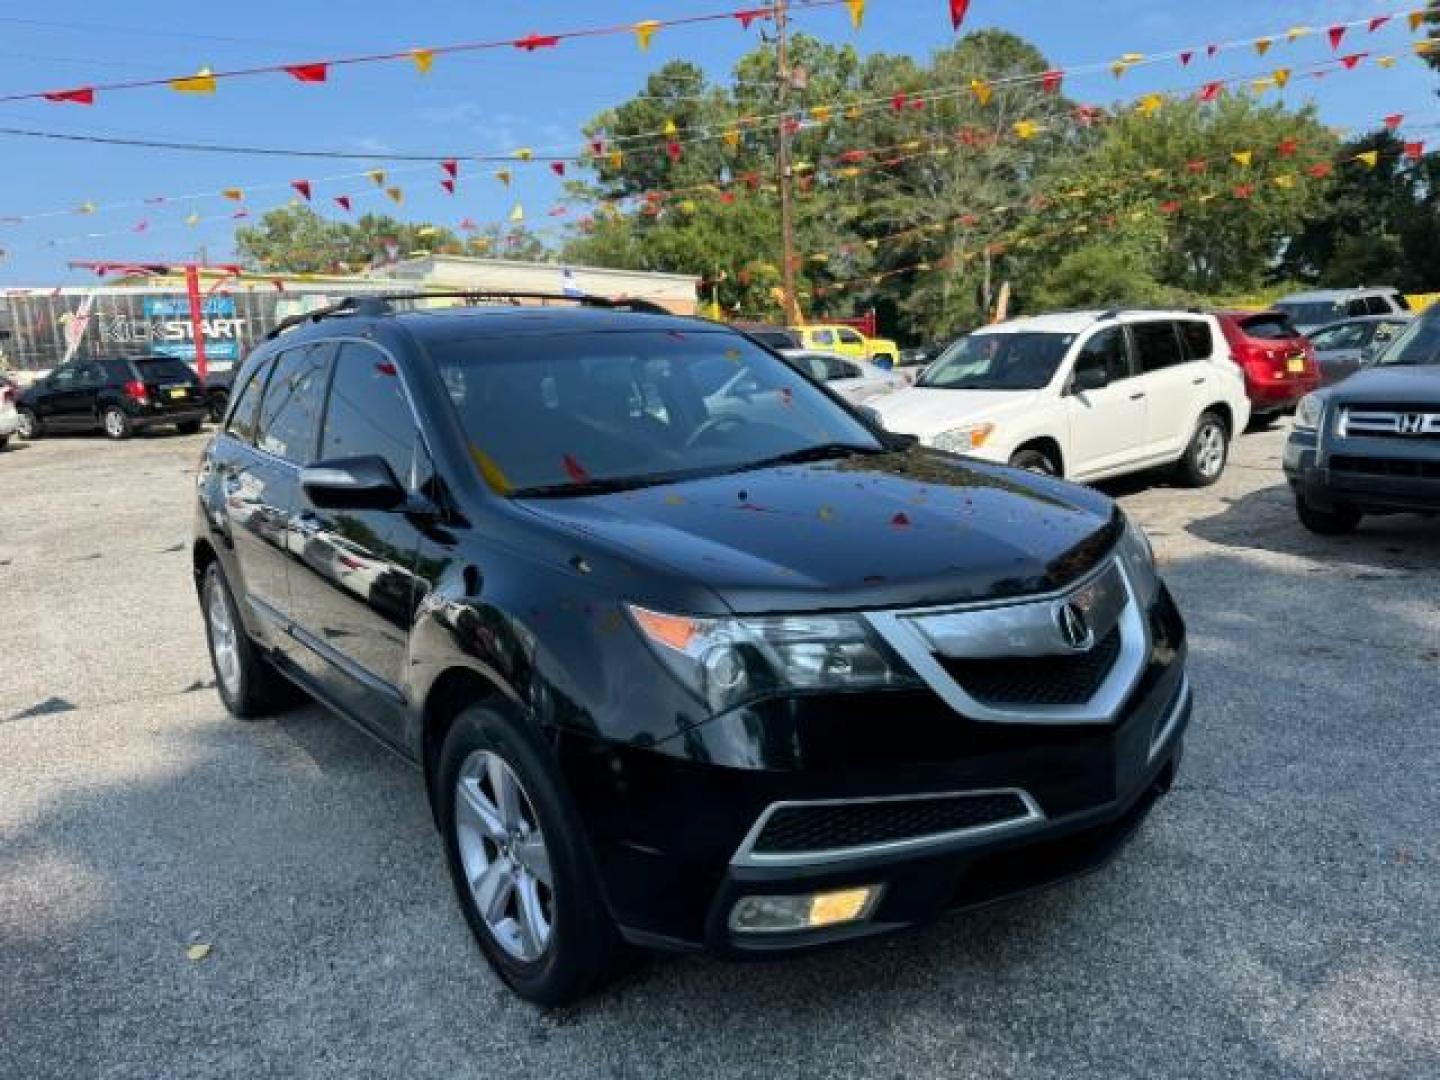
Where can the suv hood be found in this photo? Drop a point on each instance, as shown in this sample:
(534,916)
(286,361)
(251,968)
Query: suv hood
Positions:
(905,529)
(1397,385)
(927,412)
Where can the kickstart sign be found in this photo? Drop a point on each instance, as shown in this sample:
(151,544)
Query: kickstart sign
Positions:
(163,327)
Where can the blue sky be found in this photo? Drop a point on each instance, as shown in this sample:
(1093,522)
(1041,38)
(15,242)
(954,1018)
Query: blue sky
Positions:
(496,101)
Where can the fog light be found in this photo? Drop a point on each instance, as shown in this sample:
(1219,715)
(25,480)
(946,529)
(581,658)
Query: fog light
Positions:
(786,914)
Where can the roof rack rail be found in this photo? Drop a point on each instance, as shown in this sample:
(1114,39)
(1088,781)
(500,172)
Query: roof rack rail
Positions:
(383,304)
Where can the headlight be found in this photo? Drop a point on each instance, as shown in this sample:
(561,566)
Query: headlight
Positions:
(964,440)
(727,662)
(1139,559)
(1309,413)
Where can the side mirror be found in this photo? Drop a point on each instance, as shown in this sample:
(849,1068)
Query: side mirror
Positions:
(1089,379)
(357,483)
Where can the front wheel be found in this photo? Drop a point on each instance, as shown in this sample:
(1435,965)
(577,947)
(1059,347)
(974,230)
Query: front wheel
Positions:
(1206,456)
(1034,460)
(1336,522)
(28,425)
(115,423)
(523,875)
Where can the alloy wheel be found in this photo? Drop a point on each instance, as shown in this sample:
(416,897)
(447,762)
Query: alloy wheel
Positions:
(25,425)
(114,424)
(224,641)
(1210,450)
(506,862)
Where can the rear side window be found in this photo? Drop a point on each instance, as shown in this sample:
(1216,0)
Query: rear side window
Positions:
(1377,305)
(117,370)
(1199,341)
(824,337)
(1269,326)
(1157,346)
(164,369)
(290,410)
(367,412)
(247,406)
(850,337)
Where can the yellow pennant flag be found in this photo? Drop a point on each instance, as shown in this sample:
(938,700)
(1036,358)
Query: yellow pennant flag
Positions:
(424,60)
(1285,180)
(524,153)
(1262,45)
(1426,46)
(1370,158)
(503,175)
(202,82)
(982,91)
(1243,158)
(397,196)
(1155,174)
(377,177)
(732,138)
(854,112)
(1260,85)
(687,206)
(1026,129)
(820,113)
(1126,62)
(849,172)
(617,159)
(1385,61)
(85,208)
(1417,20)
(1281,77)
(1295,33)
(857,12)
(644,31)
(518,213)
(234,194)
(192,218)
(671,128)
(1150,104)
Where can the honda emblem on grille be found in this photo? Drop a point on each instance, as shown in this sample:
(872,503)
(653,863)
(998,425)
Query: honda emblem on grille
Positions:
(1074,626)
(1412,424)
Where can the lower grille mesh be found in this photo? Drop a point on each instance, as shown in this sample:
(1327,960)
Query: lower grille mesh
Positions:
(1037,680)
(793,829)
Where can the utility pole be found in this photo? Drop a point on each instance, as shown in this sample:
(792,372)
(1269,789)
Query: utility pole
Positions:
(787,210)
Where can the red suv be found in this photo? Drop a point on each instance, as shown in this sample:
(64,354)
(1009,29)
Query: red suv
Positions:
(1278,361)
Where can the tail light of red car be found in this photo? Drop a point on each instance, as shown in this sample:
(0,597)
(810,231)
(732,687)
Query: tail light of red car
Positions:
(135,390)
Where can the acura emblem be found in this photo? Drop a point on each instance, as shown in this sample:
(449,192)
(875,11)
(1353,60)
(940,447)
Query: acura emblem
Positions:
(1412,424)
(1075,629)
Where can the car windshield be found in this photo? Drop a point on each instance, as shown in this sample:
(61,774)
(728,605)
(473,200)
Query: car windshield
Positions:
(585,412)
(1418,344)
(1003,361)
(1312,313)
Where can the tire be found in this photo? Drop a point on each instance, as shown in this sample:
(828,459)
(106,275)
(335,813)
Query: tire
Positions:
(28,426)
(1337,522)
(115,423)
(4,441)
(1263,421)
(189,427)
(550,943)
(251,687)
(1208,453)
(1033,459)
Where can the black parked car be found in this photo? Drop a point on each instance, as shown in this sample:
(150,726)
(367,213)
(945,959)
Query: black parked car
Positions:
(746,675)
(1371,444)
(116,395)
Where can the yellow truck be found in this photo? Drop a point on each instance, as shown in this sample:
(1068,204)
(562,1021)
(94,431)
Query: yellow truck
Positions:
(847,341)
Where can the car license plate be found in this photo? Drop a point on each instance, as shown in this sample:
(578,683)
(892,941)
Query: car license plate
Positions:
(179,393)
(1297,365)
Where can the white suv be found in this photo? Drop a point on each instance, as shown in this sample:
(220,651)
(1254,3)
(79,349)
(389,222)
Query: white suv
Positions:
(1084,395)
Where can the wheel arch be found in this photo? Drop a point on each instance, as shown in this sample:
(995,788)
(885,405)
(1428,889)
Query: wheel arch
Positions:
(1049,446)
(202,554)
(456,689)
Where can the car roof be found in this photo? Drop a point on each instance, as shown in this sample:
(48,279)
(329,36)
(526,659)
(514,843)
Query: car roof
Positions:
(1321,295)
(1075,322)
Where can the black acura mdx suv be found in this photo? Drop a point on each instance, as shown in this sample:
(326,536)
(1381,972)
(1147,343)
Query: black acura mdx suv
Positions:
(690,655)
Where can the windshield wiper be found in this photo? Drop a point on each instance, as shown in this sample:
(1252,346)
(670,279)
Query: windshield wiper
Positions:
(823,452)
(597,487)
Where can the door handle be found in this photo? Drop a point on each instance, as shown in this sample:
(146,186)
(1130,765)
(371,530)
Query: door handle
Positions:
(1198,382)
(1137,397)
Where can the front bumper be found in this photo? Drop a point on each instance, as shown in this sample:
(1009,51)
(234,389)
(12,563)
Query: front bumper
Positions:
(1369,475)
(671,830)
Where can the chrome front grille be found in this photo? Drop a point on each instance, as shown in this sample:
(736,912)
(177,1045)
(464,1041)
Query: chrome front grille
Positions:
(1384,422)
(1037,680)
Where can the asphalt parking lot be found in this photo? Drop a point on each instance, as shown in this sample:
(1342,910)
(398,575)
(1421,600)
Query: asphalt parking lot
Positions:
(1276,917)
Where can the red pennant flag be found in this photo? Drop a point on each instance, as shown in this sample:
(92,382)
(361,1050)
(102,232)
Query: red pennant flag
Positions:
(917,104)
(748,17)
(958,9)
(303,187)
(81,95)
(1171,207)
(899,100)
(1288,147)
(1199,165)
(559,211)
(1050,82)
(537,41)
(1086,115)
(1244,191)
(790,125)
(1394,120)
(1353,60)
(597,146)
(142,225)
(1186,57)
(672,150)
(309,73)
(448,185)
(1210,91)
(1414,150)
(468,225)
(575,470)
(451,168)
(727,197)
(558,168)
(344,202)
(1378,21)
(1211,50)
(1336,34)
(1320,171)
(850,157)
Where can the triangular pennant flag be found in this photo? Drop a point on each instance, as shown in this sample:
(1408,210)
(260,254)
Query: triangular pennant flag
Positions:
(524,153)
(1244,191)
(397,196)
(1171,207)
(670,128)
(1211,50)
(748,17)
(309,73)
(617,159)
(192,218)
(672,150)
(1320,170)
(303,187)
(202,82)
(1414,150)
(1295,33)
(1051,81)
(1186,57)
(982,91)
(234,194)
(820,114)
(451,168)
(1353,60)
(644,31)
(343,201)
(1336,34)
(1199,165)
(518,213)
(1394,120)
(1287,147)
(448,185)
(1243,158)
(81,95)
(468,225)
(1210,91)
(732,138)
(503,175)
(424,60)
(1378,21)
(537,41)
(857,12)
(141,225)
(1285,180)
(1026,129)
(1385,61)
(1262,45)
(558,168)
(1150,104)
(1370,158)
(377,177)
(1281,77)
(958,9)
(597,147)
(897,101)
(1260,85)
(85,208)
(1416,19)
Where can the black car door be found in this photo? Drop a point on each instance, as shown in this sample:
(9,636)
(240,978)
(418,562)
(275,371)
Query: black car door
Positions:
(60,404)
(352,578)
(260,476)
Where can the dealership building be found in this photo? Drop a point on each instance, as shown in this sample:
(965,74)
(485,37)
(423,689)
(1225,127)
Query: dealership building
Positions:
(149,315)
